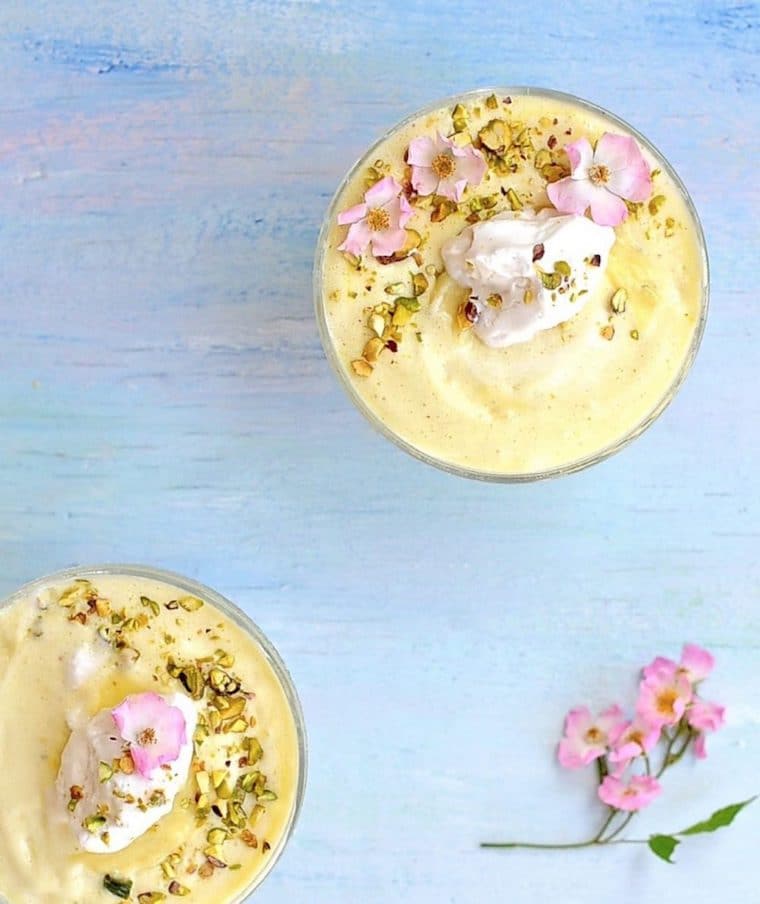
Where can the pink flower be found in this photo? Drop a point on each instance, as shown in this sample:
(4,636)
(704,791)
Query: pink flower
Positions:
(631,740)
(601,177)
(439,166)
(640,791)
(379,219)
(704,717)
(154,730)
(587,738)
(695,665)
(663,697)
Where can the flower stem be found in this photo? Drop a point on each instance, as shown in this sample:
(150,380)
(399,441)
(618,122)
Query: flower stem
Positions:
(619,829)
(597,839)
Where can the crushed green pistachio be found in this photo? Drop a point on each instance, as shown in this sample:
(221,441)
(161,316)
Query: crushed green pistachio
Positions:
(496,136)
(121,888)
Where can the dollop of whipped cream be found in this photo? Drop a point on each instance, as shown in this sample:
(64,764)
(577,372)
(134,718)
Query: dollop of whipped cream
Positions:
(121,770)
(527,271)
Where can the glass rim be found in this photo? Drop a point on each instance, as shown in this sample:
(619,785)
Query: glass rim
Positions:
(442,464)
(243,621)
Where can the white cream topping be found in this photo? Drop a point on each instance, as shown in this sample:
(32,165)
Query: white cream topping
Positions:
(132,803)
(494,259)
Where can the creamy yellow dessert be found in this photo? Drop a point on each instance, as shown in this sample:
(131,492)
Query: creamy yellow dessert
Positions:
(483,328)
(149,748)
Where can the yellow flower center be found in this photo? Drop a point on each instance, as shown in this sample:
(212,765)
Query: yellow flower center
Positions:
(443,165)
(665,701)
(146,737)
(599,174)
(636,737)
(378,219)
(593,735)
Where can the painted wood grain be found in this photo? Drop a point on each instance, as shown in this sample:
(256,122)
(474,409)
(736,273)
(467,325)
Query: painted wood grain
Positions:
(164,168)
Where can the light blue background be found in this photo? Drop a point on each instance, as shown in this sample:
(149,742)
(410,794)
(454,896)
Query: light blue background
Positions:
(164,168)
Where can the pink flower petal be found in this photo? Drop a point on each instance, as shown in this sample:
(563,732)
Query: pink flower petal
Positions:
(387,242)
(629,172)
(470,165)
(422,152)
(640,791)
(352,215)
(607,209)
(580,154)
(154,730)
(661,666)
(700,747)
(357,239)
(382,192)
(570,195)
(424,180)
(705,716)
(405,211)
(696,662)
(663,699)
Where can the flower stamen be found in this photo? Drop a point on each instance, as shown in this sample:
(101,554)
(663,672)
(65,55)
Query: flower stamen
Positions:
(146,737)
(443,165)
(599,174)
(378,219)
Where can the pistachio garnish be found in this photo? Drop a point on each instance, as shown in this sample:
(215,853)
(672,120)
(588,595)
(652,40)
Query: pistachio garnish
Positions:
(94,823)
(634,334)
(595,260)
(151,897)
(514,199)
(563,268)
(618,301)
(150,604)
(179,890)
(267,795)
(496,136)
(105,771)
(549,280)
(492,102)
(394,288)
(255,751)
(670,227)
(419,284)
(361,367)
(529,297)
(372,349)
(607,332)
(190,603)
(217,836)
(538,252)
(76,792)
(442,208)
(121,888)
(656,203)
(459,118)
(494,300)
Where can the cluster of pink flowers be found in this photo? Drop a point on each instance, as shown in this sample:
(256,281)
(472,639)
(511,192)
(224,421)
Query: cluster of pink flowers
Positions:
(668,711)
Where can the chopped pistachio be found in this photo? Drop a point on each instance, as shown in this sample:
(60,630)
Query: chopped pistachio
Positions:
(105,771)
(618,301)
(225,659)
(151,897)
(634,334)
(267,795)
(395,288)
(179,890)
(235,706)
(121,888)
(607,332)
(419,284)
(514,199)
(411,303)
(217,836)
(150,604)
(496,135)
(372,351)
(224,791)
(494,300)
(377,324)
(353,260)
(167,868)
(670,227)
(656,203)
(459,118)
(492,102)
(442,208)
(240,725)
(529,297)
(402,315)
(563,268)
(361,367)
(190,603)
(94,823)
(549,280)
(256,813)
(553,172)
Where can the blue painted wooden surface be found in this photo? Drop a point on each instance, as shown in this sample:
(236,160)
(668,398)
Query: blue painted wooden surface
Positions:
(164,398)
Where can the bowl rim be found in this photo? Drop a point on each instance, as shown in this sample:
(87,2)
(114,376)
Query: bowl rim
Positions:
(474,473)
(243,621)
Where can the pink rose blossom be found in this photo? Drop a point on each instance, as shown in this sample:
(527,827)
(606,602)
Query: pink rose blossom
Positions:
(704,717)
(640,791)
(601,177)
(632,739)
(663,697)
(379,219)
(695,665)
(586,737)
(443,168)
(154,730)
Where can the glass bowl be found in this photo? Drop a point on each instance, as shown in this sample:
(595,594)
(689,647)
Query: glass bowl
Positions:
(240,619)
(349,383)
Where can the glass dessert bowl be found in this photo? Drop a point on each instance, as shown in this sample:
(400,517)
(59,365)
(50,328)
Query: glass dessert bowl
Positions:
(152,741)
(511,284)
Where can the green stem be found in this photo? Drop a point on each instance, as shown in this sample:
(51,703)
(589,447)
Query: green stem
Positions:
(619,829)
(552,847)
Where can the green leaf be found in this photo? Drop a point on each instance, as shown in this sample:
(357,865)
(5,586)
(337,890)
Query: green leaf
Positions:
(663,846)
(718,820)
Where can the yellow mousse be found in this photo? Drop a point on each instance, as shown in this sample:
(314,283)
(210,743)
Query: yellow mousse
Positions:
(570,392)
(83,646)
